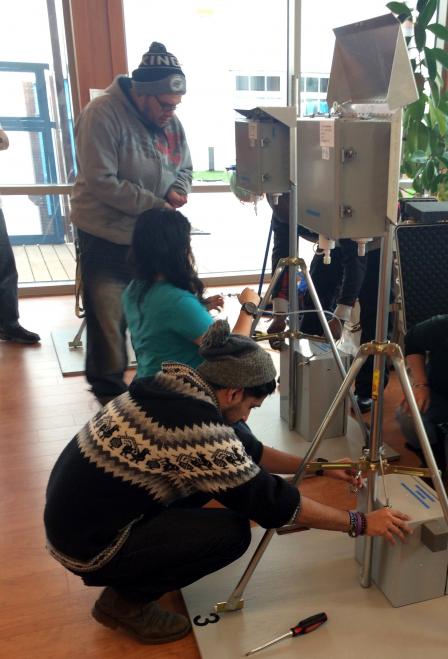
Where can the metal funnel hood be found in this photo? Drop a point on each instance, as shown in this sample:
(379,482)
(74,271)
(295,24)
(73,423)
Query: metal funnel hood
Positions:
(371,67)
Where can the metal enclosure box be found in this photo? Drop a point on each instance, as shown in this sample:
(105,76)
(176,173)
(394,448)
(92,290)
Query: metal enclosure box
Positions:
(262,156)
(318,381)
(343,176)
(415,570)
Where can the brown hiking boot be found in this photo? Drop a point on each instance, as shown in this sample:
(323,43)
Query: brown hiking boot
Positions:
(148,623)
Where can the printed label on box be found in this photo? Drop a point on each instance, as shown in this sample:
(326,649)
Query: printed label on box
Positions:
(326,133)
(253,130)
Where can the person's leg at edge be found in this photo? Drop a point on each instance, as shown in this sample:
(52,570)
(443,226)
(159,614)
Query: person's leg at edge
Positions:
(10,328)
(435,416)
(326,279)
(105,275)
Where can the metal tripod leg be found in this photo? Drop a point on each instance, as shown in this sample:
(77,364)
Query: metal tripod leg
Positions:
(76,342)
(331,341)
(299,264)
(234,602)
(293,323)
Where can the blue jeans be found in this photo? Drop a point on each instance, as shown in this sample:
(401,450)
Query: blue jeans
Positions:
(434,420)
(173,550)
(105,274)
(9,305)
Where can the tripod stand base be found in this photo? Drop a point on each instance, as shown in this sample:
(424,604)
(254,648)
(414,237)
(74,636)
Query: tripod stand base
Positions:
(299,575)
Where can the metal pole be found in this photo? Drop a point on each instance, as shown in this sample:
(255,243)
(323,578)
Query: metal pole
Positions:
(376,417)
(235,602)
(382,313)
(293,299)
(331,341)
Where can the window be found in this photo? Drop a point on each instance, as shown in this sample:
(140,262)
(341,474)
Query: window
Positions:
(248,70)
(220,78)
(257,83)
(312,85)
(36,114)
(273,83)
(242,83)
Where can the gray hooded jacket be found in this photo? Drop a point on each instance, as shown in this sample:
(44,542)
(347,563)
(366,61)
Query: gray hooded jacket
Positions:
(126,165)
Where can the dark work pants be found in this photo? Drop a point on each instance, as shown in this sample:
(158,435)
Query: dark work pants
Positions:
(9,306)
(105,274)
(434,419)
(173,550)
(326,279)
(327,282)
(280,247)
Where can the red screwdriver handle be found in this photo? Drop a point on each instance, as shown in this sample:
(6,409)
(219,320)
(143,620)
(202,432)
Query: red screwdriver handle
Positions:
(309,624)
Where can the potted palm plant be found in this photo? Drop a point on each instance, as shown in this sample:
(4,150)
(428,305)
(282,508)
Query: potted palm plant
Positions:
(425,122)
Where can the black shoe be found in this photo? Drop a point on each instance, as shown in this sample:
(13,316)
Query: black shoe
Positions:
(18,334)
(148,623)
(364,404)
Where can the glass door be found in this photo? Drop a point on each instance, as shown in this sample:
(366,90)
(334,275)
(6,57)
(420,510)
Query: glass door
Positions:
(25,116)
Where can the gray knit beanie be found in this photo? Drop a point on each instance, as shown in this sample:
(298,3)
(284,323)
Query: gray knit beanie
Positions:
(233,360)
(158,73)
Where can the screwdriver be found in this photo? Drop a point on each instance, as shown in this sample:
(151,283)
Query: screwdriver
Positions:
(303,627)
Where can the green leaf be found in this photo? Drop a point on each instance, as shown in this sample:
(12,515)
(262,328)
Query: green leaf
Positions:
(410,138)
(423,137)
(416,110)
(421,4)
(444,161)
(441,56)
(432,113)
(435,145)
(420,36)
(429,176)
(434,92)
(399,8)
(419,156)
(418,183)
(431,63)
(439,30)
(426,14)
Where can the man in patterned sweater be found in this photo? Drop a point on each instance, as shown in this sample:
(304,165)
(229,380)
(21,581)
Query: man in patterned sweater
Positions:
(125,498)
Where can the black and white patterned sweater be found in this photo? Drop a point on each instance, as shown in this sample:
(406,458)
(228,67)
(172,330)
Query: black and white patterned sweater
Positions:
(162,442)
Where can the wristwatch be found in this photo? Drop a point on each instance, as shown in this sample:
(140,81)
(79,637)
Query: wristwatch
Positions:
(250,308)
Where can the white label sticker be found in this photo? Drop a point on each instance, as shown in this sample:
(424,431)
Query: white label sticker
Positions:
(253,130)
(327,133)
(325,153)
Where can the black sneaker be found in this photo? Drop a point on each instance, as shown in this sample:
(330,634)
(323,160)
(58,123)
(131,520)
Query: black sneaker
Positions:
(18,334)
(364,404)
(148,623)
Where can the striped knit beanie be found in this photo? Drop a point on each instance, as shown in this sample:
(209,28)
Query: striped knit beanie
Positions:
(233,360)
(158,73)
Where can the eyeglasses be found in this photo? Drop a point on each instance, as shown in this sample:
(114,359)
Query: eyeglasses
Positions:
(166,107)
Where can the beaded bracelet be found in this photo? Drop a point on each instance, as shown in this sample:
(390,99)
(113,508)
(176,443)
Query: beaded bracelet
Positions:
(358,523)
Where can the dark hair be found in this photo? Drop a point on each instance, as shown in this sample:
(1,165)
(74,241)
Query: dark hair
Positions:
(260,391)
(161,247)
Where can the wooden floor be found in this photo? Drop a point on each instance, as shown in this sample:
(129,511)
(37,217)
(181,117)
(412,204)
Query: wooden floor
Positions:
(44,610)
(45,263)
